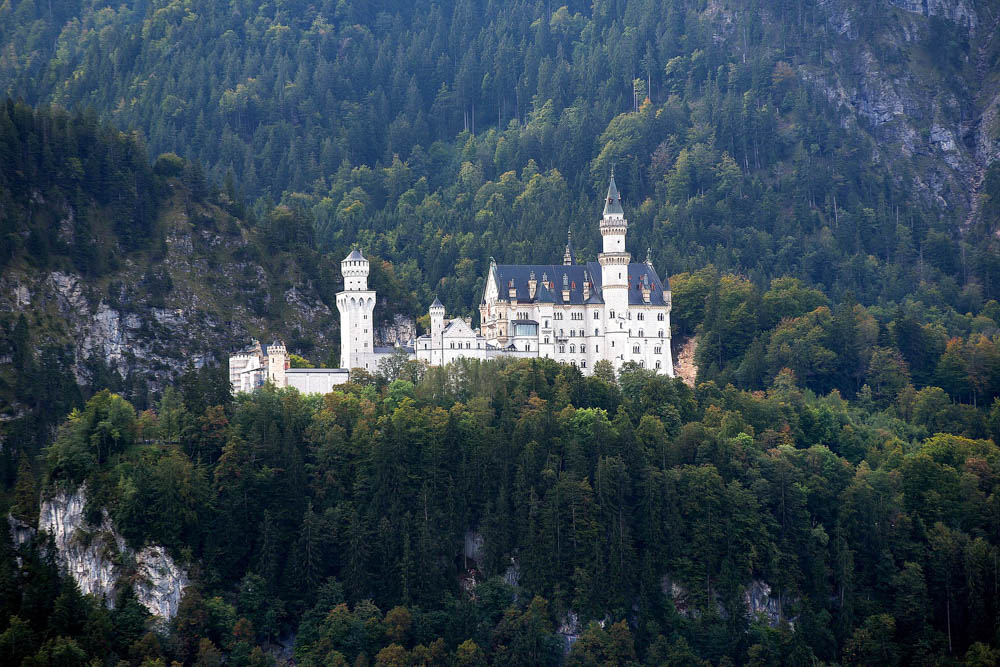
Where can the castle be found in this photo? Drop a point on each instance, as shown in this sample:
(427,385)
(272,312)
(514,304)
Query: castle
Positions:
(613,309)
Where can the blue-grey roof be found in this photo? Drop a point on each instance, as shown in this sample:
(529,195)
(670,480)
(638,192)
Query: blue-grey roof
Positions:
(355,254)
(437,303)
(613,202)
(575,276)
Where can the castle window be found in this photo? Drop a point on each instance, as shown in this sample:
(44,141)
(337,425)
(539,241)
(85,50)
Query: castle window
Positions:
(657,365)
(597,332)
(635,349)
(659,316)
(562,349)
(527,347)
(557,316)
(640,334)
(642,364)
(583,348)
(583,363)
(546,324)
(546,340)
(597,315)
(468,345)
(597,348)
(639,316)
(657,350)
(572,349)
(661,333)
(611,314)
(453,345)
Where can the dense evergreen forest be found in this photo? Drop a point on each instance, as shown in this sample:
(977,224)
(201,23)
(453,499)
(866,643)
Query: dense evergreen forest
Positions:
(838,447)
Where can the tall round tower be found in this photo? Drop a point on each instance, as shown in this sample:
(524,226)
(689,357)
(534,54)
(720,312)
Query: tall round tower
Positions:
(614,261)
(436,312)
(357,306)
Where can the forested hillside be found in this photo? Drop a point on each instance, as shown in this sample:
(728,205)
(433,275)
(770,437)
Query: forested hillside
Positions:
(843,143)
(486,513)
(819,179)
(118,271)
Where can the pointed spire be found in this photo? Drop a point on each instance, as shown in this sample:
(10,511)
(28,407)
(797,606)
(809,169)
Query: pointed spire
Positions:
(568,257)
(437,303)
(613,202)
(649,256)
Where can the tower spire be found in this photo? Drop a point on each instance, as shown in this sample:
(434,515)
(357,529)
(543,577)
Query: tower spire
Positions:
(613,202)
(568,257)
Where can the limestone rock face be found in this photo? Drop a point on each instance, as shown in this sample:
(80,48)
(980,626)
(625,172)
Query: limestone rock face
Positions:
(759,600)
(400,332)
(83,551)
(159,581)
(98,558)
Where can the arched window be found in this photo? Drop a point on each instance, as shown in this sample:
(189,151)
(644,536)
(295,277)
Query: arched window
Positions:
(583,363)
(572,349)
(583,348)
(659,316)
(661,333)
(562,349)
(597,315)
(635,349)
(657,365)
(640,334)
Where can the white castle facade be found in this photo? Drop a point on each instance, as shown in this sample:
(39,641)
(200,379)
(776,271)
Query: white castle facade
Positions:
(613,309)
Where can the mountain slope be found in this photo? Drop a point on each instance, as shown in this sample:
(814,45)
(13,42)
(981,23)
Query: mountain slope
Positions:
(111,266)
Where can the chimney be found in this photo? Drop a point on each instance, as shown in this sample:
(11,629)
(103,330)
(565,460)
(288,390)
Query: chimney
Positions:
(511,290)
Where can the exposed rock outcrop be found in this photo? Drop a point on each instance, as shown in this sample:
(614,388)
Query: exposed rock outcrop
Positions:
(400,332)
(757,596)
(98,558)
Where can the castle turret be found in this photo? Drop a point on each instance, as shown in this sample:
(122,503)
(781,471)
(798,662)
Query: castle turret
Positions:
(437,332)
(277,364)
(568,258)
(614,261)
(357,306)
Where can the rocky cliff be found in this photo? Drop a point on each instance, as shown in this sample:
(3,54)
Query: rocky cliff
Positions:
(921,81)
(100,561)
(207,291)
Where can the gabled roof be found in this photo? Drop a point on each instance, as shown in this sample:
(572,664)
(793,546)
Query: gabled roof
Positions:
(545,293)
(639,273)
(576,275)
(457,328)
